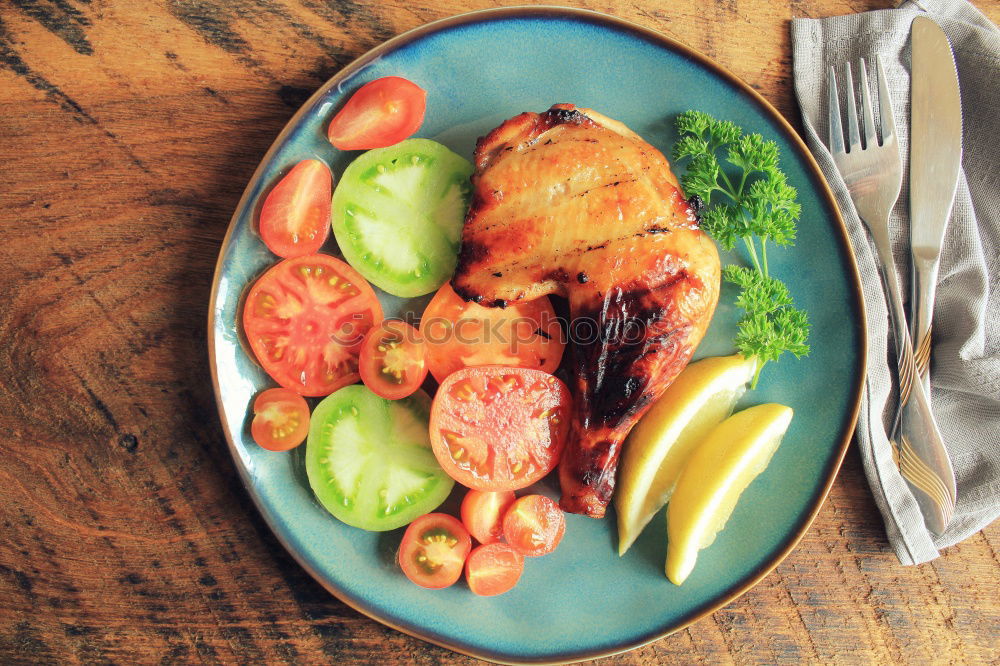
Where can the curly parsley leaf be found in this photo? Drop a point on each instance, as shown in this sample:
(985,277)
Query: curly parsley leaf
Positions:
(762,208)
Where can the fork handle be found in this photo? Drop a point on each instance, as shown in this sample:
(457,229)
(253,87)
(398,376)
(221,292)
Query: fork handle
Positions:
(924,462)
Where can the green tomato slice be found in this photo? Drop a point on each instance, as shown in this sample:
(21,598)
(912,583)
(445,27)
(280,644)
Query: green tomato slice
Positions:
(369,460)
(398,214)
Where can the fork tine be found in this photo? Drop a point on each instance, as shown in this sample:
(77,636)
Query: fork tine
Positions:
(836,127)
(866,105)
(887,119)
(853,136)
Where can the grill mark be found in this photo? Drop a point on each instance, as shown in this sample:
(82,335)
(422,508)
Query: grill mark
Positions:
(533,207)
(533,146)
(472,253)
(604,186)
(469,293)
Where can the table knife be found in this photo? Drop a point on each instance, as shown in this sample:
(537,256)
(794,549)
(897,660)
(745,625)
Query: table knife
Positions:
(935,158)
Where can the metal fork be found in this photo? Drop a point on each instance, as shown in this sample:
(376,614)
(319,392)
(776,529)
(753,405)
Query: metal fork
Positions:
(874,176)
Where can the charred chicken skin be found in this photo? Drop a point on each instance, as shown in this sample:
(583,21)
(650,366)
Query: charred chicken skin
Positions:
(573,203)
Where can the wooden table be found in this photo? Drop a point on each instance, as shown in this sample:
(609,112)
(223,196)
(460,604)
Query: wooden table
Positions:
(128,131)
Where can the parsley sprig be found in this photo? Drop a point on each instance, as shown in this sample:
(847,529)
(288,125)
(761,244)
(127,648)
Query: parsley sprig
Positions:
(757,206)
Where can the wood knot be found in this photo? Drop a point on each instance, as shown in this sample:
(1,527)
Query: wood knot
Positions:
(129,442)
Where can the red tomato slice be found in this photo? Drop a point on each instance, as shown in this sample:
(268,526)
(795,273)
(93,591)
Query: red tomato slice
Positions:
(493,569)
(295,217)
(534,525)
(483,512)
(305,319)
(381,113)
(280,419)
(392,360)
(460,334)
(498,428)
(433,550)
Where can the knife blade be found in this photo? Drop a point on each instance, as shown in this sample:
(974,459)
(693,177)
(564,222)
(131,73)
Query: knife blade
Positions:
(935,158)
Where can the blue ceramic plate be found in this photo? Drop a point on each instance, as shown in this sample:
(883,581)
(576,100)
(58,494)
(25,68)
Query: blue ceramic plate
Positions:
(583,600)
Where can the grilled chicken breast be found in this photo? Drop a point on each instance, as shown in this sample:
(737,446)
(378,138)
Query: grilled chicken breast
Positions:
(573,203)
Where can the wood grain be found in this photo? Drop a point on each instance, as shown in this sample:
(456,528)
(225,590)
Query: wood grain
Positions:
(128,131)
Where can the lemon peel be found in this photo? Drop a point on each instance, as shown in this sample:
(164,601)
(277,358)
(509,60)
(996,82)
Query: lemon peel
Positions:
(717,473)
(658,447)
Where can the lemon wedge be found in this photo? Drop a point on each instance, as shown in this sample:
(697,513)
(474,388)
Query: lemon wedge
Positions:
(717,473)
(657,448)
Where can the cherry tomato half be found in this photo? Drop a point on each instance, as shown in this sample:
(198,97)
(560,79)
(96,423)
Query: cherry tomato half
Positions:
(381,113)
(295,217)
(483,512)
(499,428)
(392,360)
(305,319)
(433,550)
(534,525)
(493,569)
(460,334)
(280,419)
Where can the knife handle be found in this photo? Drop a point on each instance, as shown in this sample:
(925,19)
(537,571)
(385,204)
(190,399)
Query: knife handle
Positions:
(925,273)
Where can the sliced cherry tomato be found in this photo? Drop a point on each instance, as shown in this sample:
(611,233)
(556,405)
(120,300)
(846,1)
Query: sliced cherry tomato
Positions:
(460,334)
(381,113)
(392,359)
(493,569)
(295,217)
(483,512)
(305,319)
(499,428)
(534,525)
(433,550)
(280,419)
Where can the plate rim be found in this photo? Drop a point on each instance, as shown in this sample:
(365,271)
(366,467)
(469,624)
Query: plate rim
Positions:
(823,190)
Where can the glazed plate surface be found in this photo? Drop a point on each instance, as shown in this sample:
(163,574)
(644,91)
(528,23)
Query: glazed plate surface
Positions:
(583,600)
